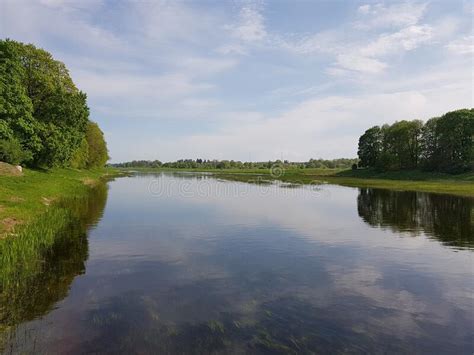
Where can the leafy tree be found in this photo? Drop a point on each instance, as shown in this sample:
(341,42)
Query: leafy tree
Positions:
(98,154)
(16,120)
(370,145)
(57,104)
(429,154)
(442,144)
(81,155)
(455,131)
(402,140)
(42,109)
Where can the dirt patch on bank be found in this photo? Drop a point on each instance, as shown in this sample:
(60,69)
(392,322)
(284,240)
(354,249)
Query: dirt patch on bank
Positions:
(89,182)
(9,223)
(16,199)
(9,170)
(47,200)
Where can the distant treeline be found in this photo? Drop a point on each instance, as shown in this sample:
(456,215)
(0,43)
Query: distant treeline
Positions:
(232,164)
(44,118)
(443,144)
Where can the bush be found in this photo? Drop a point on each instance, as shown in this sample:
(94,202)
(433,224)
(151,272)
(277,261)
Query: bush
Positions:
(12,152)
(354,166)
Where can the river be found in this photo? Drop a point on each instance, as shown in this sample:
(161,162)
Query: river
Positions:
(188,263)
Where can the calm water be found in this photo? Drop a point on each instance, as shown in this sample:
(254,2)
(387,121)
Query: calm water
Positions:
(191,264)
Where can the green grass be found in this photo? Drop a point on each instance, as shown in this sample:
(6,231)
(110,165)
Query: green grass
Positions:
(406,175)
(415,180)
(54,207)
(24,198)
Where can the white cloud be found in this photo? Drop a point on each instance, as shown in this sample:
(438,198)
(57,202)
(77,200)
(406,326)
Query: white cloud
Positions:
(248,29)
(407,39)
(143,87)
(205,66)
(165,22)
(395,15)
(251,25)
(32,21)
(360,63)
(463,45)
(232,49)
(322,42)
(364,9)
(366,52)
(370,57)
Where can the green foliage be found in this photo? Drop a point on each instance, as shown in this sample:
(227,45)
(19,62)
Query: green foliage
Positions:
(40,106)
(98,154)
(16,120)
(12,152)
(401,143)
(442,144)
(81,155)
(455,131)
(341,163)
(370,146)
(429,157)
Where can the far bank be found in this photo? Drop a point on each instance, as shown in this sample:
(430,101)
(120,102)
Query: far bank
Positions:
(412,180)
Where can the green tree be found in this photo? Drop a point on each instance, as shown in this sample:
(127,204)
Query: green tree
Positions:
(370,145)
(16,119)
(81,156)
(429,154)
(443,144)
(454,132)
(98,154)
(401,141)
(42,109)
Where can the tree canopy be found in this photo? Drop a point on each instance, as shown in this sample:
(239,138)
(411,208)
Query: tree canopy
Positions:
(42,113)
(442,144)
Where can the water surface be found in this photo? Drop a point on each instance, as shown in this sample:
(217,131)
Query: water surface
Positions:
(183,263)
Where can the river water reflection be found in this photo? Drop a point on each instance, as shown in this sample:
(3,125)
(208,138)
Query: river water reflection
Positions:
(182,263)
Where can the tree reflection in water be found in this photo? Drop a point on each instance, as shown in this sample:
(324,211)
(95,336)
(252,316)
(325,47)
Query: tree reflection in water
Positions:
(447,218)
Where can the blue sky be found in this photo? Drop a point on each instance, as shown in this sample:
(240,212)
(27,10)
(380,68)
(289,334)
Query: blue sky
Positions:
(253,80)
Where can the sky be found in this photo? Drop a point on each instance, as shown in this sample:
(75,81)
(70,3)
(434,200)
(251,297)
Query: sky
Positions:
(253,80)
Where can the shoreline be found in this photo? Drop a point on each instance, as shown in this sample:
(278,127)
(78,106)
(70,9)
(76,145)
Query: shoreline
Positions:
(25,199)
(459,185)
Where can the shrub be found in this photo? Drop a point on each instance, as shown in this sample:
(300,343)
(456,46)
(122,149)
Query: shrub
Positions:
(12,152)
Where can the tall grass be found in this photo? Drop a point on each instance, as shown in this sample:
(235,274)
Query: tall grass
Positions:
(38,264)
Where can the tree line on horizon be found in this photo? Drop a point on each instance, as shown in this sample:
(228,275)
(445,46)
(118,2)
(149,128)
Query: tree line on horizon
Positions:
(44,118)
(342,163)
(442,144)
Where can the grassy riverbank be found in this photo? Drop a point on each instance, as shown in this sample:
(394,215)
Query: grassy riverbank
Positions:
(41,212)
(23,199)
(462,184)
